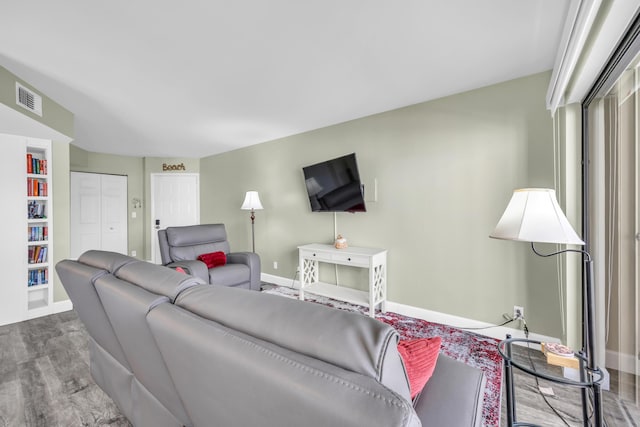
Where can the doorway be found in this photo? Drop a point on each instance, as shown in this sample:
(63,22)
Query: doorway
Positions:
(98,213)
(175,201)
(615,191)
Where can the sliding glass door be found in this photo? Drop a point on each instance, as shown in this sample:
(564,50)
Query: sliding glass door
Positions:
(613,178)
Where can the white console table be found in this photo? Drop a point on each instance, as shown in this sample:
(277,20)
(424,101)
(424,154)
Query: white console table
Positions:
(374,259)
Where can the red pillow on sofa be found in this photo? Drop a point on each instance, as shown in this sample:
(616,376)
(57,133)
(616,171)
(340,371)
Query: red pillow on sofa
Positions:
(213,259)
(419,356)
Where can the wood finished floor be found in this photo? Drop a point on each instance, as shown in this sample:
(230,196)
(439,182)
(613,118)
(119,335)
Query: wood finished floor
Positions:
(531,407)
(45,382)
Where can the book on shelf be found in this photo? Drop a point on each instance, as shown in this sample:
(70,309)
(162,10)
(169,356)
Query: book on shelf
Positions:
(36,210)
(36,166)
(37,188)
(37,277)
(38,233)
(37,254)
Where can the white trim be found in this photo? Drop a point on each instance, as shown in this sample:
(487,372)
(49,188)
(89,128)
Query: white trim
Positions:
(280,281)
(498,332)
(605,37)
(621,362)
(577,27)
(62,306)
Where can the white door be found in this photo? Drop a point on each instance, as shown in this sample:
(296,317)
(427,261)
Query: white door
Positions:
(175,201)
(114,213)
(98,213)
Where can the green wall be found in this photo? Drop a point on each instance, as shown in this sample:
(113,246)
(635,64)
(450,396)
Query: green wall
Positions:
(445,171)
(61,214)
(53,115)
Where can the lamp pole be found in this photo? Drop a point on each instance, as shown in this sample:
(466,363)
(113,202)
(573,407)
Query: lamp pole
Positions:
(588,328)
(253,235)
(251,203)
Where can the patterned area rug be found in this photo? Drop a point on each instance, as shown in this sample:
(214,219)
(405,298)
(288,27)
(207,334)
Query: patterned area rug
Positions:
(470,348)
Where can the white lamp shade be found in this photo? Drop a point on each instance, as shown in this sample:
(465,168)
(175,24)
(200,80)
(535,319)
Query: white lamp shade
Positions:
(251,201)
(533,215)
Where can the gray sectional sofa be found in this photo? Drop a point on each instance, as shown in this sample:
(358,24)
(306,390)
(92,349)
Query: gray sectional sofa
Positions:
(171,351)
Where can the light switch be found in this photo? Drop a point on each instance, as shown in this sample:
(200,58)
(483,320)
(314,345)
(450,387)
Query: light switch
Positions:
(133,214)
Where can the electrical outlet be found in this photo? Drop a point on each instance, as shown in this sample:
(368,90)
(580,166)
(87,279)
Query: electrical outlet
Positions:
(134,253)
(518,312)
(298,269)
(275,265)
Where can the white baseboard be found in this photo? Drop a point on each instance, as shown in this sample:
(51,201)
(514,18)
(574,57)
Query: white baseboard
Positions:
(280,281)
(62,306)
(621,362)
(493,331)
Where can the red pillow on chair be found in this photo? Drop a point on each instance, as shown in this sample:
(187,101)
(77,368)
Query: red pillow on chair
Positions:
(419,356)
(213,259)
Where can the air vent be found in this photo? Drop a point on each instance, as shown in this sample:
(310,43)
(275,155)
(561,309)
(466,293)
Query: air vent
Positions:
(28,99)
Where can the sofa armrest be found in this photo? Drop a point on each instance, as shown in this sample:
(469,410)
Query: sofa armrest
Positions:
(453,396)
(193,267)
(252,260)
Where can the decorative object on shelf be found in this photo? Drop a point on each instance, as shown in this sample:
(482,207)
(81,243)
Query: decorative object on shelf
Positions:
(252,202)
(558,349)
(533,215)
(341,242)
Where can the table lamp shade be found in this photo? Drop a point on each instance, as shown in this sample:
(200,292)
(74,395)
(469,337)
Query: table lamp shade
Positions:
(533,215)
(251,201)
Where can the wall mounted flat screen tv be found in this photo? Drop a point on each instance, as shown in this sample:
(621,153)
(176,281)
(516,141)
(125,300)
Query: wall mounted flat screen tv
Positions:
(334,185)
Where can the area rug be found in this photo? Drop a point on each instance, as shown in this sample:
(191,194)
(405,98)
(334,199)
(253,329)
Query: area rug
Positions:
(470,348)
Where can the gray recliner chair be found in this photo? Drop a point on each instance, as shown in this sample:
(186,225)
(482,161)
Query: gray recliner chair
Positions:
(181,246)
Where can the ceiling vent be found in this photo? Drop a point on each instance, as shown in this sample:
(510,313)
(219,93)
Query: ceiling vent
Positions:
(28,99)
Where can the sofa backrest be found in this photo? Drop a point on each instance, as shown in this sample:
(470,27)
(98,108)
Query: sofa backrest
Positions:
(247,358)
(78,278)
(126,290)
(188,242)
(348,340)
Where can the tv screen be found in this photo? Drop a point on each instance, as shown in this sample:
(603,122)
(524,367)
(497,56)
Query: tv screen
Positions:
(334,185)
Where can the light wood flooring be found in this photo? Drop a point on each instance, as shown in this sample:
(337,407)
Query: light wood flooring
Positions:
(531,406)
(45,381)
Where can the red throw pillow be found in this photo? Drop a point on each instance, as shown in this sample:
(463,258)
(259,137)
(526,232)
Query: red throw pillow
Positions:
(214,259)
(419,356)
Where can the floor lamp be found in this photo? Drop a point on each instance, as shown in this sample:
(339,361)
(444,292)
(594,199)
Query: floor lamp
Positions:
(252,203)
(533,215)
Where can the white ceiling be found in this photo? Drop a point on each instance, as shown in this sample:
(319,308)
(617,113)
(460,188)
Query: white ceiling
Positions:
(201,77)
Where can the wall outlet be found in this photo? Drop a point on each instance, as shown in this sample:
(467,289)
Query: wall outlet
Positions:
(134,253)
(275,265)
(518,312)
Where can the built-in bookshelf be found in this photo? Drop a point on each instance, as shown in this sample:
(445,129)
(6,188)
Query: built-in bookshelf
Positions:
(39,228)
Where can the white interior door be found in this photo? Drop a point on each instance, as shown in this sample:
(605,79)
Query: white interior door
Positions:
(98,213)
(175,201)
(114,213)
